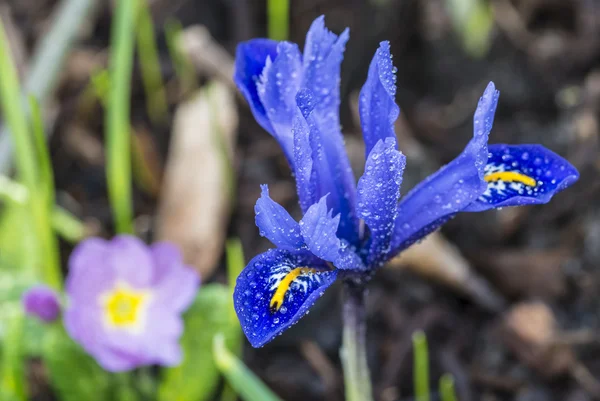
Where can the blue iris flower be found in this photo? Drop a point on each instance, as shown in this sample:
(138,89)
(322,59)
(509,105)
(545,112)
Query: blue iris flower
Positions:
(350,229)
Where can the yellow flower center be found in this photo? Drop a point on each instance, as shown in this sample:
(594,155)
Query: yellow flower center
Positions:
(124,307)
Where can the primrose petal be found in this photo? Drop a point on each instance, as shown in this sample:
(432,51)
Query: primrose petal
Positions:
(42,302)
(115,321)
(276,289)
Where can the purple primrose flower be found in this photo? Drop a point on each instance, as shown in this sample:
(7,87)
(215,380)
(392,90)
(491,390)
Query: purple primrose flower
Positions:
(126,301)
(351,229)
(42,302)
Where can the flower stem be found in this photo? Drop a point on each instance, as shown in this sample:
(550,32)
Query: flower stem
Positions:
(354,345)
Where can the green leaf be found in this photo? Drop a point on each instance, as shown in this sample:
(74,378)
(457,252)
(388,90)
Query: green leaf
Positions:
(74,375)
(243,381)
(12,377)
(208,315)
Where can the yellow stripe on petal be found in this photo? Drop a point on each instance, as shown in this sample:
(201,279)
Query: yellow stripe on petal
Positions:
(284,285)
(510,176)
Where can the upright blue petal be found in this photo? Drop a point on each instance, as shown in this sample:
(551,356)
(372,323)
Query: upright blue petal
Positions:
(522,174)
(319,230)
(378,194)
(452,188)
(323,167)
(276,289)
(250,60)
(323,55)
(377,105)
(303,156)
(277,88)
(276,224)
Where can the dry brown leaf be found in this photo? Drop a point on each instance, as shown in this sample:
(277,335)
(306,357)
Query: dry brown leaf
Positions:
(439,260)
(195,201)
(529,330)
(208,56)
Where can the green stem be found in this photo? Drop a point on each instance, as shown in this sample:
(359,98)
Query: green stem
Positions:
(118,140)
(357,379)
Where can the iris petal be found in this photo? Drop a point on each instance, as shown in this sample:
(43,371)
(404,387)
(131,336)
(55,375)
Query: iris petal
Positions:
(522,174)
(377,106)
(277,88)
(323,55)
(378,193)
(452,188)
(319,229)
(250,60)
(323,167)
(276,224)
(276,289)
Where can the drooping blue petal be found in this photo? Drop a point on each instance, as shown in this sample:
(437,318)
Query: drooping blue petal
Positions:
(522,174)
(323,167)
(277,88)
(377,105)
(276,289)
(319,230)
(378,194)
(276,224)
(250,60)
(452,188)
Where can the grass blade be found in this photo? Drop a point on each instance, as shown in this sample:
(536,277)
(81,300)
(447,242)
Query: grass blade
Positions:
(28,166)
(278,19)
(421,367)
(447,392)
(156,99)
(244,382)
(118,141)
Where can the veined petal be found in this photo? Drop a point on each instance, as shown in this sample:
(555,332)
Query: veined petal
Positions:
(378,194)
(277,88)
(276,289)
(276,224)
(323,167)
(452,188)
(522,174)
(250,60)
(319,228)
(377,105)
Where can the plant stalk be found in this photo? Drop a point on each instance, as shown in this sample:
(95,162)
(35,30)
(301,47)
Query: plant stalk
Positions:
(357,380)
